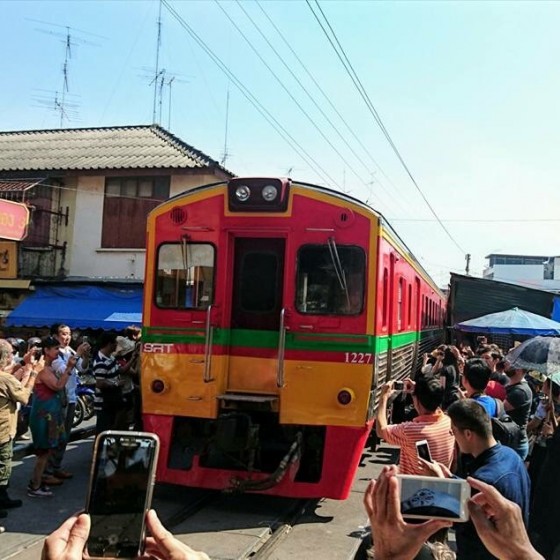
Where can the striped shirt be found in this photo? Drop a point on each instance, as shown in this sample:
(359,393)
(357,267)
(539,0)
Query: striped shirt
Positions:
(107,369)
(435,428)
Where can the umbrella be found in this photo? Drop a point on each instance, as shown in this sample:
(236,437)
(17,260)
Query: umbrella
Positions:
(541,354)
(512,321)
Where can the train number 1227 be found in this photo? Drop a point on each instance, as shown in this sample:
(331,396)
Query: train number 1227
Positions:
(358,357)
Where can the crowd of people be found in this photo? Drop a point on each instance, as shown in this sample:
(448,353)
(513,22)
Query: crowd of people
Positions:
(459,403)
(456,403)
(42,376)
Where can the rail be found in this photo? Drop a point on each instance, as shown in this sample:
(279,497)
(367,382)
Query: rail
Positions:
(208,346)
(281,349)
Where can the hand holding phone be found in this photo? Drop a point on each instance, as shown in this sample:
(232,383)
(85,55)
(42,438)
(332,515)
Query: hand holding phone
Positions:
(426,497)
(120,493)
(423,450)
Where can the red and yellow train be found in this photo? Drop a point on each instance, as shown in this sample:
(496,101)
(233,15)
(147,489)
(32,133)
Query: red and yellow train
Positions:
(274,310)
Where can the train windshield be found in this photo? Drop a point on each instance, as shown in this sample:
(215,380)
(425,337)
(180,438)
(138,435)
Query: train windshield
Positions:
(330,279)
(185,275)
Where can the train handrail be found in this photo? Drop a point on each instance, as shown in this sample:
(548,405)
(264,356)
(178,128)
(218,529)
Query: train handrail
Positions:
(209,334)
(281,349)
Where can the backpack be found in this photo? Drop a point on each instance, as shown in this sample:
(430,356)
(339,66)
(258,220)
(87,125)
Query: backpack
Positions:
(504,428)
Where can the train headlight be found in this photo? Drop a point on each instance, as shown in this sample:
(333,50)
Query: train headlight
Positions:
(345,396)
(242,193)
(157,386)
(269,193)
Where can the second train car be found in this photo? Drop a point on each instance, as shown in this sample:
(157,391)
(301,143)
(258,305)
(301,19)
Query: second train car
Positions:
(274,311)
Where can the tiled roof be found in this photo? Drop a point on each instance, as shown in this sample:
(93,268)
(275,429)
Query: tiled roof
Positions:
(127,147)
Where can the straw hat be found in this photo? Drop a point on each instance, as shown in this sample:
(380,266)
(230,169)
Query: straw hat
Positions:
(124,346)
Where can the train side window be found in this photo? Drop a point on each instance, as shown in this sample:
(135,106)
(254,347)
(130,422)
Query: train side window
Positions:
(409,305)
(400,304)
(330,280)
(185,275)
(385,296)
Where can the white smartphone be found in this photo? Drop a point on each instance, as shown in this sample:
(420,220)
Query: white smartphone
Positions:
(427,497)
(120,493)
(423,450)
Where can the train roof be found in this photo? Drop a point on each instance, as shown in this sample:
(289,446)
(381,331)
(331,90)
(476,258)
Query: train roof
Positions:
(394,236)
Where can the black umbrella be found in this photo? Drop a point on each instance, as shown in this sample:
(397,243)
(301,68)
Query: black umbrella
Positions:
(541,354)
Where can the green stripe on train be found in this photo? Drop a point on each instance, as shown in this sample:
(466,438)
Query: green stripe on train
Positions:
(294,341)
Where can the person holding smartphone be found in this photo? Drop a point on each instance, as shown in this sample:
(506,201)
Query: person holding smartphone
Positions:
(69,540)
(431,424)
(12,392)
(46,420)
(491,462)
(54,473)
(498,523)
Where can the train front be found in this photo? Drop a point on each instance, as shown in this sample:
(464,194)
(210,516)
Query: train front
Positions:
(258,346)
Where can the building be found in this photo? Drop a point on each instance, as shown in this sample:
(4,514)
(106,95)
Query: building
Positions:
(540,272)
(89,191)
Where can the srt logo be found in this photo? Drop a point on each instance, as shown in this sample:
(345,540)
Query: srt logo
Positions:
(157,348)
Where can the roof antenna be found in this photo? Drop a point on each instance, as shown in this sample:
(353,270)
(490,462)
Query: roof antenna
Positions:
(69,39)
(157,73)
(226,154)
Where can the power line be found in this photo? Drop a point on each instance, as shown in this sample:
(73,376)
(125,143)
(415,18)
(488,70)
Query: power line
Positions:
(311,97)
(361,90)
(333,107)
(281,130)
(289,93)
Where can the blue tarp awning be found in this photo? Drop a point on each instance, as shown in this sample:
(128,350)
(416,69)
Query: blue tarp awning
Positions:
(513,321)
(80,307)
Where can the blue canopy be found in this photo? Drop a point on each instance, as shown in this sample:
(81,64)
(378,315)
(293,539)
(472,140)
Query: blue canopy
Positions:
(80,307)
(513,321)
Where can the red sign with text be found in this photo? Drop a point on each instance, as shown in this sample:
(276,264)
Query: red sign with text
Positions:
(14,218)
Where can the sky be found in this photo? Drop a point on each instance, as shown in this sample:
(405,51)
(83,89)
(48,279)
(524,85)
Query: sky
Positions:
(467,93)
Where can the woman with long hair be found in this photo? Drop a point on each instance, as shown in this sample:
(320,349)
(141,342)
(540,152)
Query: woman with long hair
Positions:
(46,419)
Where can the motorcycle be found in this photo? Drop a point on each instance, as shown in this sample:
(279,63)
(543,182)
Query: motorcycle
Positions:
(85,392)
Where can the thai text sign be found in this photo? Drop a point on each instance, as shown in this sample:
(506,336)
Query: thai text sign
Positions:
(14,218)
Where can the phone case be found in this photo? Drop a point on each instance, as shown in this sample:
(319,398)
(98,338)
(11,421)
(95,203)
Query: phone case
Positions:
(151,480)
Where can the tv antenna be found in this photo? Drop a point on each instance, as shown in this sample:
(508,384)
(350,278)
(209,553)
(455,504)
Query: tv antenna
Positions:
(70,40)
(157,71)
(226,154)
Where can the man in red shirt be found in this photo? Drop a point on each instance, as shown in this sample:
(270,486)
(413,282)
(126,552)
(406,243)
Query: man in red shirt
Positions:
(431,424)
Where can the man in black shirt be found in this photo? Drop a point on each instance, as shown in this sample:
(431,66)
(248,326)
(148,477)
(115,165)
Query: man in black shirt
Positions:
(518,406)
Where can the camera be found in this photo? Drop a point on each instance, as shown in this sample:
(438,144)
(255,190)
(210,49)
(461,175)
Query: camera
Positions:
(398,385)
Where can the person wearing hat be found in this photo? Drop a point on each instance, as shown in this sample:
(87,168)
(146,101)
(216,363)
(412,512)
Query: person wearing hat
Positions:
(46,420)
(123,355)
(12,392)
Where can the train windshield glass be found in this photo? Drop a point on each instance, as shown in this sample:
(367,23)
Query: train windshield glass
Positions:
(185,275)
(330,279)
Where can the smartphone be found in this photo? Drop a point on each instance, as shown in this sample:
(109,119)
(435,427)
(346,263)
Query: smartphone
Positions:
(423,450)
(427,497)
(84,339)
(121,484)
(398,385)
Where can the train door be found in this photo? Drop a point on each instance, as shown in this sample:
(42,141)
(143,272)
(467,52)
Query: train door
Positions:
(256,305)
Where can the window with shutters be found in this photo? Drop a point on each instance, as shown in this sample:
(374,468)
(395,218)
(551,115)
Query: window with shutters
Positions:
(128,201)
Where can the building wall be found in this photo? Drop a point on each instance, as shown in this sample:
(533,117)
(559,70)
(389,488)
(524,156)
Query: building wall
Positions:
(86,257)
(518,272)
